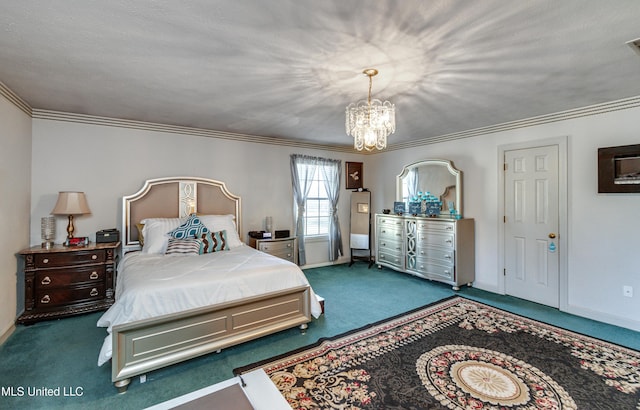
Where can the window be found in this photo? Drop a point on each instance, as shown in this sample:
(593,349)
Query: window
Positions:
(317,207)
(316,190)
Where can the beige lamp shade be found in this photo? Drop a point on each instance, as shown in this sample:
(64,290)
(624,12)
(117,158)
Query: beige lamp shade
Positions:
(71,203)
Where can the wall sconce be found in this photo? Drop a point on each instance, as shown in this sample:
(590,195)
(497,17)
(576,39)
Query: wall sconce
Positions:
(71,203)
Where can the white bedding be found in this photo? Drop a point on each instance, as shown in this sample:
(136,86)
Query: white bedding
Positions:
(151,285)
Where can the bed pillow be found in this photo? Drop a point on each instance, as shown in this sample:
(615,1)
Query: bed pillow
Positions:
(189,246)
(217,223)
(214,242)
(155,233)
(191,228)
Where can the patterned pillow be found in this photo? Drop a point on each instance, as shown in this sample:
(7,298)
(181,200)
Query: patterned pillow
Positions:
(190,246)
(214,242)
(192,228)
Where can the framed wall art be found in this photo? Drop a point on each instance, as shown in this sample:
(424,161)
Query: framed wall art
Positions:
(353,175)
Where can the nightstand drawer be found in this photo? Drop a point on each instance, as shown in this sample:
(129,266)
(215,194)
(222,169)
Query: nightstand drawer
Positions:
(61,277)
(70,258)
(56,297)
(287,255)
(274,247)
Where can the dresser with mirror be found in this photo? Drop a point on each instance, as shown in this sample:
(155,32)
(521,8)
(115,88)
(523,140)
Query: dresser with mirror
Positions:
(437,247)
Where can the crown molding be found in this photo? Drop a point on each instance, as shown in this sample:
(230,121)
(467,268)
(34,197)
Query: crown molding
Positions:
(15,99)
(176,129)
(597,109)
(618,105)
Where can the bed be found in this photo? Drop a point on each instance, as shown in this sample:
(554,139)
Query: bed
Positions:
(175,302)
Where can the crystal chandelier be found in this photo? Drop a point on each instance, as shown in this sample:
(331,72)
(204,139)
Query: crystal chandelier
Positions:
(370,121)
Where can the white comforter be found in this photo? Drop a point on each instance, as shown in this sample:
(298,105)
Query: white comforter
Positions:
(154,285)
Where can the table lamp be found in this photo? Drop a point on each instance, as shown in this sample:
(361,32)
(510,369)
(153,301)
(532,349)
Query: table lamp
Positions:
(71,203)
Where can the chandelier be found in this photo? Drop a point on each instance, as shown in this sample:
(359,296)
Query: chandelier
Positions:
(370,121)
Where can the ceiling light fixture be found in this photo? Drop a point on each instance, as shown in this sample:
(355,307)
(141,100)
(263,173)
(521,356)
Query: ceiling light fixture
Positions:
(370,121)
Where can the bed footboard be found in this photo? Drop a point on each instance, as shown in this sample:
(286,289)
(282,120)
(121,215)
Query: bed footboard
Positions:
(146,345)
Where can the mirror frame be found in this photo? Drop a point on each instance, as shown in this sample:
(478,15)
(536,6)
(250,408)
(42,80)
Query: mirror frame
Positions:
(440,162)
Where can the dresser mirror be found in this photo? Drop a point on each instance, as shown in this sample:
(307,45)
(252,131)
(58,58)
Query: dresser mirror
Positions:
(436,176)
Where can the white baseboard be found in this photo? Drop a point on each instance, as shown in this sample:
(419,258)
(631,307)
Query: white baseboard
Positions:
(5,335)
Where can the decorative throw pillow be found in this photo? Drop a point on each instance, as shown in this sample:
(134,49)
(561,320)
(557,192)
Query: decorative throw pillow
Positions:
(192,228)
(214,242)
(190,246)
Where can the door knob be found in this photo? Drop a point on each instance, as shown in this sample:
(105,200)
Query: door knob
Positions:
(552,235)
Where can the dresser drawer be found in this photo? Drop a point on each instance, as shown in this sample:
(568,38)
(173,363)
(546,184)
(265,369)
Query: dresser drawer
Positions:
(435,239)
(66,296)
(391,258)
(442,256)
(70,258)
(392,233)
(59,278)
(424,225)
(385,221)
(390,246)
(434,270)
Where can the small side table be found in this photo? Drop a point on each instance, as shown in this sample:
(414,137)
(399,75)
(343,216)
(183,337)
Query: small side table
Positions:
(63,281)
(285,248)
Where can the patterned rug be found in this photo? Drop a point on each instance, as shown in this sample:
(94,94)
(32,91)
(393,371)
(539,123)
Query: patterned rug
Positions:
(458,354)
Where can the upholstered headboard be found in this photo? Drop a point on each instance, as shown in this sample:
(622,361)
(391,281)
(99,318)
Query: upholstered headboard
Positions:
(176,197)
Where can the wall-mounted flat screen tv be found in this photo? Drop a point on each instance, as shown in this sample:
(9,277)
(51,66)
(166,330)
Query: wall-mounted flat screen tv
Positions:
(619,169)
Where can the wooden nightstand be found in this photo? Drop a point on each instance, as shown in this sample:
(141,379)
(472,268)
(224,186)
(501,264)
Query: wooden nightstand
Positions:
(63,281)
(285,248)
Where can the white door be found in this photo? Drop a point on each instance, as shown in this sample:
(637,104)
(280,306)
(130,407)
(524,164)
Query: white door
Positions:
(531,224)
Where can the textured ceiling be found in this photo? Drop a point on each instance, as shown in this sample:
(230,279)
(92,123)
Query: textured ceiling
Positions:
(287,68)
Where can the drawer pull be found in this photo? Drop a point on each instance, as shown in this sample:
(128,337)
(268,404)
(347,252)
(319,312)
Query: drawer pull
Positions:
(94,275)
(288,245)
(46,280)
(288,255)
(447,256)
(266,248)
(94,257)
(45,260)
(45,299)
(94,292)
(449,241)
(449,228)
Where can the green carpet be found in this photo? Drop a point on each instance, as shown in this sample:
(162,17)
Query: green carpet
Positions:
(59,357)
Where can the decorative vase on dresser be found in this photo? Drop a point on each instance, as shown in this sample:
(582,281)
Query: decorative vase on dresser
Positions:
(431,248)
(62,281)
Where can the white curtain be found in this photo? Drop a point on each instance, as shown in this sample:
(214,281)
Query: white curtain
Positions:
(412,183)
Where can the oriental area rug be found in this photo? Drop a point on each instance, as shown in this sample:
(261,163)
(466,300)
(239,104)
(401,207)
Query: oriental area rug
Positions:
(458,354)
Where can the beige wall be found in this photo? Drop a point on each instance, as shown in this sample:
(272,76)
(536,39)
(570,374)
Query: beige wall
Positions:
(15,196)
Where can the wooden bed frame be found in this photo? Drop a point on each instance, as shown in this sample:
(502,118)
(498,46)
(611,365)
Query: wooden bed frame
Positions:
(150,344)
